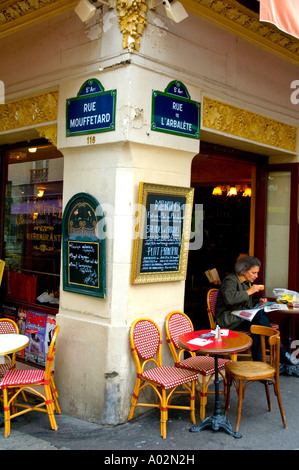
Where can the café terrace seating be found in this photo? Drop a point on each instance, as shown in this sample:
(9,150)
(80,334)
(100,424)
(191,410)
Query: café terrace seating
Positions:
(146,347)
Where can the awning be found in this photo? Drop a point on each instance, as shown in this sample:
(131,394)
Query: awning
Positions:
(282,13)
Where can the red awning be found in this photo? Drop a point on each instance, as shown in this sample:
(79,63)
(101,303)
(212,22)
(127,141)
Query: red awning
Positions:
(283,13)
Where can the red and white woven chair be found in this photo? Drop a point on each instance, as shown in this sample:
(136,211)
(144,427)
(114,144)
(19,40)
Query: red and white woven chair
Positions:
(211,304)
(8,326)
(177,324)
(146,347)
(15,381)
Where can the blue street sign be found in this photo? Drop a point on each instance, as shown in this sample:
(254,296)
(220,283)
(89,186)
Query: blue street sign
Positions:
(93,110)
(173,111)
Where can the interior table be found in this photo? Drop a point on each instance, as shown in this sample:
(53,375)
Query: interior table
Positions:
(231,342)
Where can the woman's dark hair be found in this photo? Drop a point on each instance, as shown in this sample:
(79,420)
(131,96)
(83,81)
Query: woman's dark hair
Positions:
(246,263)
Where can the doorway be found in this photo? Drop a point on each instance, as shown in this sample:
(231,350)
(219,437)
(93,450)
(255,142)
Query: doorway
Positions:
(228,220)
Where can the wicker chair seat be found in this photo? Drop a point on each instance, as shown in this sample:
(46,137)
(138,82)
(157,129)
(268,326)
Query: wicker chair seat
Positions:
(168,377)
(22,377)
(205,365)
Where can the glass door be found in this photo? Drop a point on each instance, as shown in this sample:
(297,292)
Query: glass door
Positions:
(281,228)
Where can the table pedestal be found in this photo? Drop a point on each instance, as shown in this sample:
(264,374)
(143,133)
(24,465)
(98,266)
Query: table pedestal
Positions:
(218,420)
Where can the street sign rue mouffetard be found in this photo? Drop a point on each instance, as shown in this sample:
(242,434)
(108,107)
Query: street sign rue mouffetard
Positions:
(91,111)
(173,111)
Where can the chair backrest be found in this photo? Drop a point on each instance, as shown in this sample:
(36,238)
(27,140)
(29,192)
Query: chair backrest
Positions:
(269,333)
(274,343)
(177,324)
(51,353)
(146,343)
(211,304)
(8,326)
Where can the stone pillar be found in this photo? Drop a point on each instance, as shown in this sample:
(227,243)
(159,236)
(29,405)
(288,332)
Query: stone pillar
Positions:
(95,372)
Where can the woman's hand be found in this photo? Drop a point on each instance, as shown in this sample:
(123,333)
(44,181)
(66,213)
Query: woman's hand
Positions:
(253,289)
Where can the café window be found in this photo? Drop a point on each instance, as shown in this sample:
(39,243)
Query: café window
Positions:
(32,225)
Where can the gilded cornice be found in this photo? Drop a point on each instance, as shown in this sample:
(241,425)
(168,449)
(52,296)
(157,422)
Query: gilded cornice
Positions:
(49,133)
(29,112)
(234,121)
(132,16)
(230,15)
(18,14)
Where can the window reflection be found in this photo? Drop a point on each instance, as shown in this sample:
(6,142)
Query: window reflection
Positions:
(32,230)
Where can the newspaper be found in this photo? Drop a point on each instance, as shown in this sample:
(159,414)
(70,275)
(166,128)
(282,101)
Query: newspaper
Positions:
(246,314)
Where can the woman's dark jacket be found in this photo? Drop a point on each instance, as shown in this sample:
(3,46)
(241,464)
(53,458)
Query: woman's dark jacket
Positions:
(232,296)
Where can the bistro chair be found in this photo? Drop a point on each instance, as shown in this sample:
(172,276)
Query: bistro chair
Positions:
(146,347)
(15,381)
(243,373)
(211,304)
(8,326)
(177,324)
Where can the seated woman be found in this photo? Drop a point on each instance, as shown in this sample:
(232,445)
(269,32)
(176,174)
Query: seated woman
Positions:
(237,293)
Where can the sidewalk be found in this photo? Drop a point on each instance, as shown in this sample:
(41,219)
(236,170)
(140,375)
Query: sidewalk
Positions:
(260,429)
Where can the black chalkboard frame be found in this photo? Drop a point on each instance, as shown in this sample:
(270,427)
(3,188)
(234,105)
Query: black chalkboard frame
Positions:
(174,194)
(85,234)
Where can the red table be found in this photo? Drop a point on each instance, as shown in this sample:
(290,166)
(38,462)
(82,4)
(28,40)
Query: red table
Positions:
(232,343)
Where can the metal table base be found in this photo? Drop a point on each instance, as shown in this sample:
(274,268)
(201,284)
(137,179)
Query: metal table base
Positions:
(218,420)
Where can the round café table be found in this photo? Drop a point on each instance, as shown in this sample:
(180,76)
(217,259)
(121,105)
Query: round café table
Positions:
(233,343)
(10,343)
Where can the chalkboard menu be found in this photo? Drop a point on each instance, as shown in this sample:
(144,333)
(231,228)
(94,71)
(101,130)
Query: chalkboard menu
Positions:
(164,223)
(83,248)
(83,263)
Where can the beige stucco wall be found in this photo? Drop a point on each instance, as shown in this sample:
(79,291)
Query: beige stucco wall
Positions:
(111,172)
(94,370)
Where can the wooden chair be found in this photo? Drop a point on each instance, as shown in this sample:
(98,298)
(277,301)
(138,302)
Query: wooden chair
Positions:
(8,326)
(242,373)
(16,381)
(177,324)
(146,347)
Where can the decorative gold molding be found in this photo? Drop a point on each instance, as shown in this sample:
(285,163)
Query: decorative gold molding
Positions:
(29,111)
(228,119)
(49,133)
(18,14)
(132,16)
(230,15)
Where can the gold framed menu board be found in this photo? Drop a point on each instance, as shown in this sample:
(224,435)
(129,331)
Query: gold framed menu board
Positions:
(162,233)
